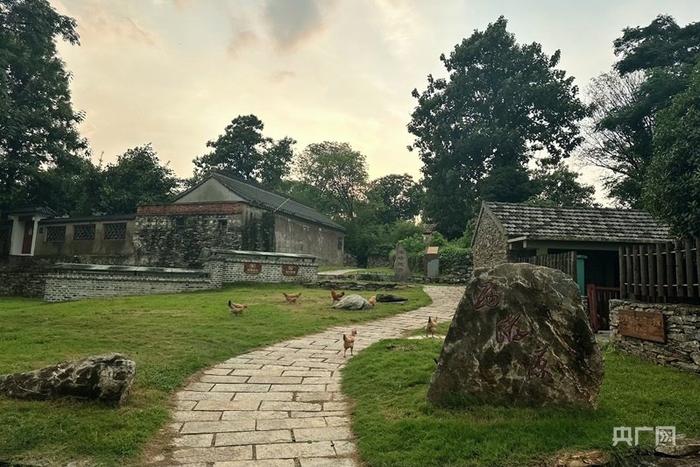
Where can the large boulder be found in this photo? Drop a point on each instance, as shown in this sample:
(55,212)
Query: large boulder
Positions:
(106,378)
(520,336)
(352,302)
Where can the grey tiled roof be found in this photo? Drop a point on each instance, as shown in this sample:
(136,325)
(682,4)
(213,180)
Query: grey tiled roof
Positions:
(579,224)
(274,202)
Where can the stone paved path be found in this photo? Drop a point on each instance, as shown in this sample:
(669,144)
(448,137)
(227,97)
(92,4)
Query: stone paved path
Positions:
(282,405)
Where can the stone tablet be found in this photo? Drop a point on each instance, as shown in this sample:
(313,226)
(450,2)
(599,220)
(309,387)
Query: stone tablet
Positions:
(401,271)
(520,336)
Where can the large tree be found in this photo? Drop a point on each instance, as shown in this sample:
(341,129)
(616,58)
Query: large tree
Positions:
(136,177)
(37,121)
(244,152)
(337,174)
(560,187)
(502,104)
(672,189)
(395,197)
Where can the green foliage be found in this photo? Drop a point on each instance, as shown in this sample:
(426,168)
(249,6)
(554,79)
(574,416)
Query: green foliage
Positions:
(559,187)
(672,190)
(396,197)
(171,337)
(337,174)
(502,103)
(137,177)
(37,121)
(243,152)
(395,425)
(454,259)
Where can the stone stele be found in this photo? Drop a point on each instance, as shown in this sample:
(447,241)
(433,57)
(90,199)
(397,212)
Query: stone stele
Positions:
(102,377)
(401,271)
(520,336)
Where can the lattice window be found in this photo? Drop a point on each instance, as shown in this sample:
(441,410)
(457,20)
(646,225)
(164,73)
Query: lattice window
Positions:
(116,231)
(84,232)
(56,233)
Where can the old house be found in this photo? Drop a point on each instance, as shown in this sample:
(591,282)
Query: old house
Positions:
(219,212)
(583,242)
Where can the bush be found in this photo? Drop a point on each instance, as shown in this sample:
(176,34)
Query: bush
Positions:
(455,260)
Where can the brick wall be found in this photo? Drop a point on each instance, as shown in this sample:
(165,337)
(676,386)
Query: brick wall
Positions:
(77,281)
(228,266)
(682,324)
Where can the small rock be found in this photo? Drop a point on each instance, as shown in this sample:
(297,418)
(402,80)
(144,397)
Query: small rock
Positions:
(582,459)
(390,298)
(682,448)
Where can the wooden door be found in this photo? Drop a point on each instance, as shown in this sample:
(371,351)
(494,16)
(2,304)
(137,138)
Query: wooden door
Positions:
(28,236)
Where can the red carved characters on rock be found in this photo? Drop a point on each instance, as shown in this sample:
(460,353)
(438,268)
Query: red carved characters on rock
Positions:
(486,297)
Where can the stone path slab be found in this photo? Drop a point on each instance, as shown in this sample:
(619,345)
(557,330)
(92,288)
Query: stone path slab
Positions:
(282,405)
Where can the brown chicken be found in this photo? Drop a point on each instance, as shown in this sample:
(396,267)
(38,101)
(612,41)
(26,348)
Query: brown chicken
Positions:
(372,300)
(431,327)
(291,297)
(349,342)
(236,308)
(336,295)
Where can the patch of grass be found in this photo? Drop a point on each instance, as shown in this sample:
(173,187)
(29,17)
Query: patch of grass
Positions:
(169,336)
(397,427)
(441,330)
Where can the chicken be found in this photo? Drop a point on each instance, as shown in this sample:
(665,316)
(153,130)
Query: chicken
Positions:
(291,297)
(349,342)
(372,300)
(336,295)
(431,327)
(236,308)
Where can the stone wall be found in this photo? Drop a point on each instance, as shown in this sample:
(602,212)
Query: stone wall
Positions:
(228,266)
(296,236)
(682,324)
(22,280)
(78,281)
(490,245)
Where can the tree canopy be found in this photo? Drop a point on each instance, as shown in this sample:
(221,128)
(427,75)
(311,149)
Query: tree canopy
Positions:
(395,197)
(502,104)
(243,152)
(37,120)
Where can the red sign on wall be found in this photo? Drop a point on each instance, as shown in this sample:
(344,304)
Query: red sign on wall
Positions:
(290,269)
(252,268)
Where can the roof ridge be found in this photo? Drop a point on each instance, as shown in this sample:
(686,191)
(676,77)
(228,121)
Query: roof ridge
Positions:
(575,208)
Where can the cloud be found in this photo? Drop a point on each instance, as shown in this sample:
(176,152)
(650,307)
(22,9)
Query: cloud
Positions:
(281,76)
(240,41)
(290,23)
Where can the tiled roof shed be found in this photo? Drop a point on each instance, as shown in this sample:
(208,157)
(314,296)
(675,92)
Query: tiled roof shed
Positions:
(521,221)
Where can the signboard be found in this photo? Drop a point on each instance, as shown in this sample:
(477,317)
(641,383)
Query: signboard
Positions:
(646,325)
(252,268)
(290,269)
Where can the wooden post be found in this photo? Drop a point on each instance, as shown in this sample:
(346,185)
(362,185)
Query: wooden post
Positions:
(690,287)
(630,276)
(670,290)
(643,270)
(680,270)
(621,266)
(635,269)
(659,271)
(697,260)
(651,264)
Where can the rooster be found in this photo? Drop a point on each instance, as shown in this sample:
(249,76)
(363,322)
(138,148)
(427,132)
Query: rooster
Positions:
(431,327)
(236,308)
(372,300)
(349,342)
(291,297)
(336,295)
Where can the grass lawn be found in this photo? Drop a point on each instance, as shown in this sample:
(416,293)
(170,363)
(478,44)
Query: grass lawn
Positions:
(396,426)
(169,336)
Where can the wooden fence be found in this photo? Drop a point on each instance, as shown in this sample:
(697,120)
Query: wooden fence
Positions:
(661,272)
(565,262)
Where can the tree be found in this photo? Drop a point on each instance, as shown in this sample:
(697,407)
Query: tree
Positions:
(559,187)
(243,152)
(37,120)
(137,177)
(396,197)
(337,174)
(672,189)
(502,103)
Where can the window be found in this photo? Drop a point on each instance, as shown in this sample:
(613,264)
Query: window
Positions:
(222,224)
(56,233)
(179,222)
(115,231)
(340,243)
(84,232)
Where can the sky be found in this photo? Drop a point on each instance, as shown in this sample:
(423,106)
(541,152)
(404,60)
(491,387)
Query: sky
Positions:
(175,72)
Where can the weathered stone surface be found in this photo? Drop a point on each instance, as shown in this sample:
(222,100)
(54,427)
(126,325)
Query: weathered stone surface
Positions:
(390,298)
(352,302)
(520,336)
(401,271)
(103,377)
(682,448)
(592,458)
